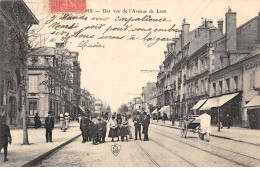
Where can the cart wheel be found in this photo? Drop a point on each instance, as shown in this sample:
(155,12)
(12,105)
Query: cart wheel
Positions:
(201,135)
(184,129)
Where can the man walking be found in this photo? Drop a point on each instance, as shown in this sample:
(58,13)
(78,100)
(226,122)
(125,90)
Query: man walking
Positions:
(37,121)
(146,123)
(5,137)
(137,124)
(49,126)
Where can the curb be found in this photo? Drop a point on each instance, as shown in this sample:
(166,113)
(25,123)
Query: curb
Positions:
(36,161)
(223,137)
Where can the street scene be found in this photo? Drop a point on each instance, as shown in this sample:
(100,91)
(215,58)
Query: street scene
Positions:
(135,84)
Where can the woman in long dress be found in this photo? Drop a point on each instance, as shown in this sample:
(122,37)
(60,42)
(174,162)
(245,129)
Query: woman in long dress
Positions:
(124,130)
(113,131)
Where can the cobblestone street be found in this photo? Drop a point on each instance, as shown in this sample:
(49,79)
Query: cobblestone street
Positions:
(165,148)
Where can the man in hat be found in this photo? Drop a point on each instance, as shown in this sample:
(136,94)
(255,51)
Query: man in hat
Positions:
(146,123)
(99,130)
(49,126)
(5,137)
(85,123)
(137,124)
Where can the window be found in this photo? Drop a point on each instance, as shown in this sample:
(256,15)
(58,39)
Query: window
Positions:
(236,82)
(252,80)
(33,84)
(196,87)
(202,86)
(202,65)
(220,87)
(206,85)
(32,108)
(214,88)
(196,67)
(228,84)
(206,63)
(191,70)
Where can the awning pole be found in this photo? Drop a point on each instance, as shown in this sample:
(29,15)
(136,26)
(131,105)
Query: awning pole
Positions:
(218,120)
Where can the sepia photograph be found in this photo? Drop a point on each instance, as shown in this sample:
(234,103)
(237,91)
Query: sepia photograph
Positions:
(129,83)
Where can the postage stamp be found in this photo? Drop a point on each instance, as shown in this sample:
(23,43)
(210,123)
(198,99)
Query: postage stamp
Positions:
(68,5)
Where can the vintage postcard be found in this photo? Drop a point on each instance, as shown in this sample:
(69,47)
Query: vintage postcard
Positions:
(129,83)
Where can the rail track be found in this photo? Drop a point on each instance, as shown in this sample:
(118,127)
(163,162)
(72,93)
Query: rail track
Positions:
(213,149)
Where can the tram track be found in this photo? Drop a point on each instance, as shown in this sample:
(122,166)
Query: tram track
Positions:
(173,153)
(205,150)
(148,155)
(217,147)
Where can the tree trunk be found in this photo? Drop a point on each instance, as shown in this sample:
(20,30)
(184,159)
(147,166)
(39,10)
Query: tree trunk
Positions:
(24,72)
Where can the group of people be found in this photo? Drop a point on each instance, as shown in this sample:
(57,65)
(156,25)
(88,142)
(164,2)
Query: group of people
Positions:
(93,130)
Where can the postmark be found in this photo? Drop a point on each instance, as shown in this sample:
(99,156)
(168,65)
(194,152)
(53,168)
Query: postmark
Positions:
(77,6)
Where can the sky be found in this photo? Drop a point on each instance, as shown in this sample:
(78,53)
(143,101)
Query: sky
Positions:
(113,73)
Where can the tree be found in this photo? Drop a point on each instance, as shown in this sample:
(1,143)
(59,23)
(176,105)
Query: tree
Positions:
(123,108)
(16,48)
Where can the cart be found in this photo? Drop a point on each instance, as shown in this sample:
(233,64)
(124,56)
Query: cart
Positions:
(197,124)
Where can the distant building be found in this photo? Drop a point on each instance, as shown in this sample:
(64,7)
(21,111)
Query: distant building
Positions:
(147,95)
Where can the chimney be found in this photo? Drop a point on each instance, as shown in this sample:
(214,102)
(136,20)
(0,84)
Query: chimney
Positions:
(185,32)
(60,45)
(231,33)
(209,23)
(220,25)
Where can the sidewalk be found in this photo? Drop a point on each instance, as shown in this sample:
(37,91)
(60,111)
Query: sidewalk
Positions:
(19,154)
(246,135)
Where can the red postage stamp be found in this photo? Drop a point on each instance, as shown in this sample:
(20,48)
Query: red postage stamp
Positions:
(68,5)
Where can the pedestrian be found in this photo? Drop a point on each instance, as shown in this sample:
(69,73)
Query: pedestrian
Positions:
(119,122)
(113,128)
(79,117)
(49,126)
(228,119)
(85,123)
(67,118)
(62,123)
(104,132)
(99,130)
(37,121)
(137,124)
(5,137)
(146,123)
(124,130)
(94,131)
(164,117)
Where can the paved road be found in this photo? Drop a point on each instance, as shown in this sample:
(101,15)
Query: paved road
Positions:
(165,148)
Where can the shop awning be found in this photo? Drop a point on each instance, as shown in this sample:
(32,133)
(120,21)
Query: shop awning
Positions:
(255,102)
(218,101)
(224,99)
(199,104)
(161,110)
(81,109)
(155,111)
(167,110)
(212,102)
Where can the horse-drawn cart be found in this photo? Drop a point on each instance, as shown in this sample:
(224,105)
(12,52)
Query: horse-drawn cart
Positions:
(196,123)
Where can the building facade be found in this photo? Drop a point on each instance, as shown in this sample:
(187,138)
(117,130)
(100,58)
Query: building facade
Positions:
(53,81)
(15,20)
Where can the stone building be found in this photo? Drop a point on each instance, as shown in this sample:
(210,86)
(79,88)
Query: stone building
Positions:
(209,70)
(54,76)
(15,21)
(231,78)
(147,95)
